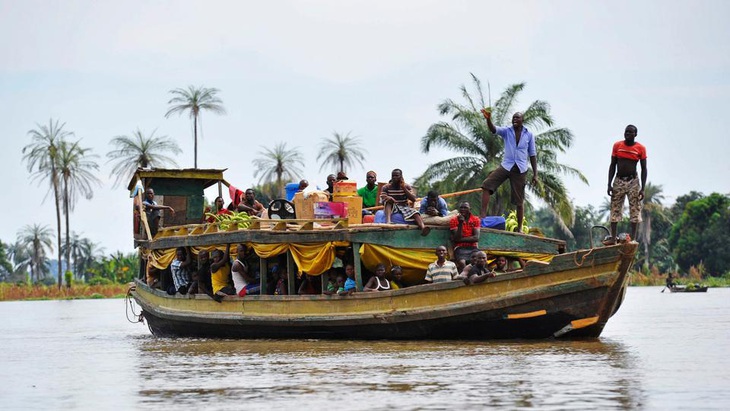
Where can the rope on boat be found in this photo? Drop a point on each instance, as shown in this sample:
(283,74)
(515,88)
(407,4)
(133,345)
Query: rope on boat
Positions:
(129,307)
(582,259)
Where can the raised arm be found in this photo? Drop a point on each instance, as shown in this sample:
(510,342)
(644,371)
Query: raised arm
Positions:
(488,116)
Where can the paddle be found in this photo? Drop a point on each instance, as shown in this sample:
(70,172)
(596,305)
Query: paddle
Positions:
(664,289)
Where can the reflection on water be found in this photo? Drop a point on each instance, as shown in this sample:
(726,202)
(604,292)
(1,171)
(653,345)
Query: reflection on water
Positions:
(661,351)
(383,375)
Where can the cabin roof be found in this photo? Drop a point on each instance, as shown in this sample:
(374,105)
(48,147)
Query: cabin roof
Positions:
(211,176)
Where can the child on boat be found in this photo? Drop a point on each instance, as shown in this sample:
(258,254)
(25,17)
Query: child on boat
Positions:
(350,285)
(378,282)
(396,273)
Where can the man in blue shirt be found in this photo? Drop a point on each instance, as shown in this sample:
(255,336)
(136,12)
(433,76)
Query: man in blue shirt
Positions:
(434,205)
(519,144)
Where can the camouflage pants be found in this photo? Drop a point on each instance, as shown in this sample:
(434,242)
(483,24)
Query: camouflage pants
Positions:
(621,190)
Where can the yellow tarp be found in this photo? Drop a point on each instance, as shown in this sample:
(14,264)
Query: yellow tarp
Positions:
(313,259)
(316,259)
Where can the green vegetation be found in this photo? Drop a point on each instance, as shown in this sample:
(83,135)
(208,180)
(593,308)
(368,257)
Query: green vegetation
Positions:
(689,239)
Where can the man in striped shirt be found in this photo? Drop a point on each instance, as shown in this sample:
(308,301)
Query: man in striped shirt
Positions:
(442,270)
(395,196)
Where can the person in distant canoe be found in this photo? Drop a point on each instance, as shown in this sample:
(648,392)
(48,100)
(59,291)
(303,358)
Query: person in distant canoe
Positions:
(250,205)
(369,192)
(434,205)
(519,144)
(378,282)
(395,196)
(624,157)
(479,271)
(464,233)
(442,270)
(152,210)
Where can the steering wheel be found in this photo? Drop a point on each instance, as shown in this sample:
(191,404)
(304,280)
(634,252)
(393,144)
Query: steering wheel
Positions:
(281,209)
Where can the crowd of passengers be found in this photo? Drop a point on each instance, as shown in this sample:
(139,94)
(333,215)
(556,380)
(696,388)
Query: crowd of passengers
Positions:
(219,274)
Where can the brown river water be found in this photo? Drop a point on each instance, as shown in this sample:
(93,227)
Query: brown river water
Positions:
(660,351)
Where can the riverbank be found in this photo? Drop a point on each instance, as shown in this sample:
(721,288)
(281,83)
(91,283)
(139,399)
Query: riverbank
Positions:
(15,292)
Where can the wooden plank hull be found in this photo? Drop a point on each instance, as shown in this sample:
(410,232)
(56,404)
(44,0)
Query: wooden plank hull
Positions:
(688,290)
(573,296)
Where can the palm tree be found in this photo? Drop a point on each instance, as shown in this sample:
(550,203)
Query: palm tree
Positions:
(653,208)
(41,156)
(194,100)
(76,168)
(481,151)
(341,151)
(6,268)
(277,164)
(36,239)
(83,251)
(138,150)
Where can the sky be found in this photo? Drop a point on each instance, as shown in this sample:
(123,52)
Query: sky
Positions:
(297,71)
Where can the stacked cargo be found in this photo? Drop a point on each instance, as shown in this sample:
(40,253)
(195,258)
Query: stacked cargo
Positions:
(346,192)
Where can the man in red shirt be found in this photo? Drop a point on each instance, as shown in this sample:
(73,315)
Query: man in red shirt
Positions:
(464,234)
(626,154)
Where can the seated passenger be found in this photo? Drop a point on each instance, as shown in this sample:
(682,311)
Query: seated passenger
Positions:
(201,283)
(218,210)
(464,272)
(395,196)
(397,274)
(350,285)
(243,281)
(250,205)
(434,205)
(281,287)
(442,270)
(180,269)
(220,273)
(479,271)
(369,192)
(331,285)
(378,282)
(308,285)
(464,233)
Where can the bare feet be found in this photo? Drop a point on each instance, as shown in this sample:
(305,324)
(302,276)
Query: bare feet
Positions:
(425,231)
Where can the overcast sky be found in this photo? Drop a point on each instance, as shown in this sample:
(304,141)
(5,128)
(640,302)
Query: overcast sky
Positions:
(295,71)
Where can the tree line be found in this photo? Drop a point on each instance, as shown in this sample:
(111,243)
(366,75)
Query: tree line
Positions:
(688,233)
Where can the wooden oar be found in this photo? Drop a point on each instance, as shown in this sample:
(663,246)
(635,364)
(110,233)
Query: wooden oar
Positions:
(447,195)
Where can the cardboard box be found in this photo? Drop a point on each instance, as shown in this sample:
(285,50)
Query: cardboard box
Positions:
(345,188)
(304,203)
(328,210)
(354,207)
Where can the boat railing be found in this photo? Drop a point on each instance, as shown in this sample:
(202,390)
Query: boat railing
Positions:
(254,224)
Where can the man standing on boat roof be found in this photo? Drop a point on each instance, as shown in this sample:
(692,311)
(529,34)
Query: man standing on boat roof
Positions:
(395,196)
(152,209)
(519,144)
(624,157)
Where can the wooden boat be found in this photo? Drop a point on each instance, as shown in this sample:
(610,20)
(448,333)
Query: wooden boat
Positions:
(694,288)
(557,294)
